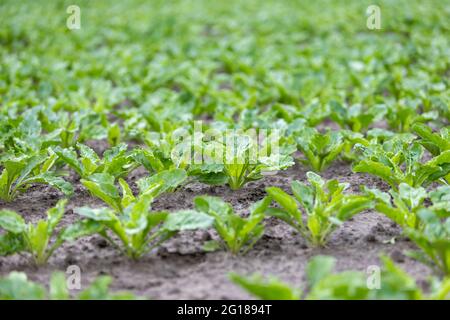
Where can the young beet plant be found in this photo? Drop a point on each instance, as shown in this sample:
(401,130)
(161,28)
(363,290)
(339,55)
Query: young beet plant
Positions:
(435,142)
(240,159)
(137,229)
(433,240)
(440,199)
(355,117)
(316,210)
(39,239)
(69,128)
(238,234)
(397,161)
(102,186)
(320,149)
(323,284)
(19,173)
(116,161)
(403,207)
(163,151)
(402,115)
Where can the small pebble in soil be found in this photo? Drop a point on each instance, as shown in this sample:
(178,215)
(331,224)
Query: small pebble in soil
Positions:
(70,259)
(202,236)
(370,238)
(101,243)
(378,228)
(51,196)
(163,252)
(398,256)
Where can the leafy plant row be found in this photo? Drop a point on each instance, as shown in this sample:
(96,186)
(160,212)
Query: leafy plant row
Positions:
(315,210)
(30,158)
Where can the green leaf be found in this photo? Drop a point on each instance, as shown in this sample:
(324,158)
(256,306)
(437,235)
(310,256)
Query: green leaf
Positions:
(114,134)
(69,156)
(81,229)
(434,142)
(168,179)
(127,194)
(212,178)
(282,215)
(99,214)
(102,186)
(377,169)
(260,207)
(271,289)
(348,285)
(11,243)
(54,181)
(98,290)
(58,287)
(413,196)
(396,283)
(215,205)
(17,287)
(318,268)
(4,185)
(315,179)
(211,246)
(31,164)
(88,153)
(303,194)
(55,214)
(12,222)
(38,239)
(286,201)
(188,220)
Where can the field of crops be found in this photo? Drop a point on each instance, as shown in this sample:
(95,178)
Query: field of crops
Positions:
(225,149)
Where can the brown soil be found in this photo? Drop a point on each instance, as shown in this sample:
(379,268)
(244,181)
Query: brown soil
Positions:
(181,270)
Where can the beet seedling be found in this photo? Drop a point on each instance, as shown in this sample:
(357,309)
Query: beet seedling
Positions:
(116,161)
(39,239)
(320,149)
(316,210)
(238,234)
(397,161)
(433,240)
(102,186)
(137,230)
(239,159)
(403,207)
(19,173)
